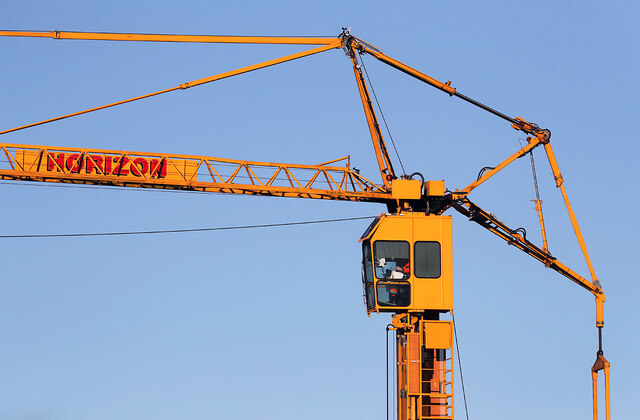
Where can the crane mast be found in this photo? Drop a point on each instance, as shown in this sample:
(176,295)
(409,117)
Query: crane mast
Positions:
(407,260)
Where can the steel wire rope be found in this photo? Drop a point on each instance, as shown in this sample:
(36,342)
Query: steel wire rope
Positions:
(386,337)
(464,394)
(535,177)
(149,232)
(533,171)
(394,385)
(393,143)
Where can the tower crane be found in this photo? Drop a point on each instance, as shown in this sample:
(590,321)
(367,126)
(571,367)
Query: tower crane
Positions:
(406,251)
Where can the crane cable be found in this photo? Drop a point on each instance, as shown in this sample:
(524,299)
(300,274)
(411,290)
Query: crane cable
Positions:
(387,363)
(404,172)
(464,394)
(533,170)
(209,229)
(535,178)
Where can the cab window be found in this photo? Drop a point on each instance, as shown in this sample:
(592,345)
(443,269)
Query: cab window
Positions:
(367,275)
(393,293)
(427,259)
(391,260)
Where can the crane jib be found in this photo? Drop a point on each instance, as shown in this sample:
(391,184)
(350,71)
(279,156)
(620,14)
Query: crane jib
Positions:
(188,172)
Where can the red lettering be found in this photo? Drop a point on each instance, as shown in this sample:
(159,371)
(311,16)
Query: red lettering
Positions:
(107,164)
(158,169)
(120,165)
(59,160)
(94,161)
(74,164)
(90,164)
(139,167)
(154,167)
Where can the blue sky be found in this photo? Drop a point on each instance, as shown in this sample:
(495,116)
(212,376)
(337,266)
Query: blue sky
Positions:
(270,323)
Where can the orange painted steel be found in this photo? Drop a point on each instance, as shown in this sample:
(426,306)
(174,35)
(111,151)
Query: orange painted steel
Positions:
(336,44)
(375,52)
(427,292)
(574,222)
(380,149)
(186,172)
(541,137)
(491,223)
(224,39)
(538,205)
(601,364)
(533,143)
(424,364)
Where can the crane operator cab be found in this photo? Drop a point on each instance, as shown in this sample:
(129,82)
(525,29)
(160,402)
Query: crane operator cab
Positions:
(407,263)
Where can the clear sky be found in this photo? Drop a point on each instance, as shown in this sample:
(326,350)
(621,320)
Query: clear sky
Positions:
(270,323)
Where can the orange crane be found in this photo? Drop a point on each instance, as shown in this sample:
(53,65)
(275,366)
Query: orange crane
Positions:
(406,252)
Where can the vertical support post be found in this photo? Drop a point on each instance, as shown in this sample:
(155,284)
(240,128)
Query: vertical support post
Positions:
(594,379)
(401,368)
(607,369)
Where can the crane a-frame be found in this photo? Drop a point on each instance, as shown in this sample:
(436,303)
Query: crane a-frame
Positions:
(407,262)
